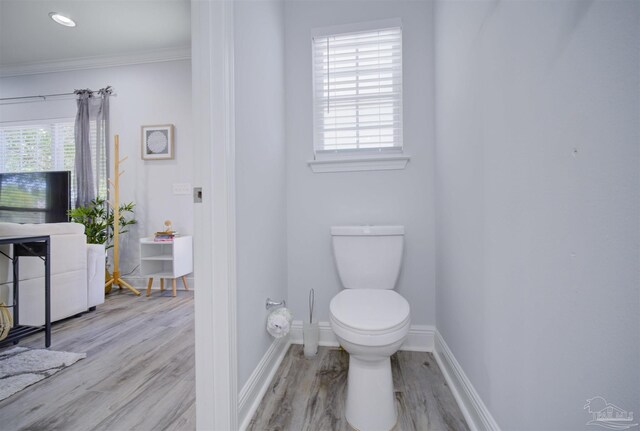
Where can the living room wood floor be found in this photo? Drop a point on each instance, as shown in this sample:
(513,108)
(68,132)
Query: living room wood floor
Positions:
(138,374)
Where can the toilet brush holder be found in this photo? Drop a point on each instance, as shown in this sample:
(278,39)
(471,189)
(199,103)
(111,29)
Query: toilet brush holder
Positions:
(310,338)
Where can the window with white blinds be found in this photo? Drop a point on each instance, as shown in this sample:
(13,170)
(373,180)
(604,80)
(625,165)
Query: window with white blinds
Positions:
(357,84)
(44,146)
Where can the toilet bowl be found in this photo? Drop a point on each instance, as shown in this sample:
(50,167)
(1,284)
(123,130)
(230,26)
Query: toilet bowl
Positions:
(370,319)
(370,325)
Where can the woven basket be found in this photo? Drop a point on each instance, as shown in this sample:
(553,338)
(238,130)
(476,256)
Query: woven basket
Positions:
(6,321)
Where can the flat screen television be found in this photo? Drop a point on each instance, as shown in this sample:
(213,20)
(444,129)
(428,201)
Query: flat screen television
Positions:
(35,197)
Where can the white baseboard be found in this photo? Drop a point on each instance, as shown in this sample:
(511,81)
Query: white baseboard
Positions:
(252,392)
(420,338)
(474,410)
(327,337)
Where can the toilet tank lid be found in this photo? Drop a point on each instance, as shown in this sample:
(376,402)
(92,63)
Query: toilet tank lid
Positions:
(366,230)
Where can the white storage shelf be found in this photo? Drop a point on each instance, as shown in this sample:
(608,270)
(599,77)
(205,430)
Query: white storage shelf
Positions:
(166,259)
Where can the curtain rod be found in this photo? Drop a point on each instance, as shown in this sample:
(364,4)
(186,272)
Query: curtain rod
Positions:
(45,96)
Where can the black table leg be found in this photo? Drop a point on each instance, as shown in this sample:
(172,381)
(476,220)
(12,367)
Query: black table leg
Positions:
(31,246)
(47,295)
(16,292)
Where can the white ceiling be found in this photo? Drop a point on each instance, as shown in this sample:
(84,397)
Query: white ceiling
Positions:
(105,28)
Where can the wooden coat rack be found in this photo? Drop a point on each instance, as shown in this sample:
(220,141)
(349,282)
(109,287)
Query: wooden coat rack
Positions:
(115,204)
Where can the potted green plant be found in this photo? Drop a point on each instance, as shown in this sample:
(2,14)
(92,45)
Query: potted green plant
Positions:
(98,218)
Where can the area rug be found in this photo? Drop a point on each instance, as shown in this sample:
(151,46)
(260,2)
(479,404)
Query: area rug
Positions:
(21,367)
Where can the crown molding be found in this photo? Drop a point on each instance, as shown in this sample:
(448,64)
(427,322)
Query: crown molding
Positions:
(98,62)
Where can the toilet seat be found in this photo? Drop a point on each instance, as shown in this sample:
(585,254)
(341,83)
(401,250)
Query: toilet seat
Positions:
(370,317)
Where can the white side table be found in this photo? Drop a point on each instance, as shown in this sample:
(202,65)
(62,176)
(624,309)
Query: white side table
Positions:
(172,259)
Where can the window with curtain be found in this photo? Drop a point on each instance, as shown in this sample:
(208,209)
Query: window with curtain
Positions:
(357,90)
(44,146)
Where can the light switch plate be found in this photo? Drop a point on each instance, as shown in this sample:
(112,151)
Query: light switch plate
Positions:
(181,188)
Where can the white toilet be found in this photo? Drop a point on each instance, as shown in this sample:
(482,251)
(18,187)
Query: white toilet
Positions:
(370,319)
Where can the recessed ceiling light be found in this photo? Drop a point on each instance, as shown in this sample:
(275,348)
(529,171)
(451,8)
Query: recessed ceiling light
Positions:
(62,20)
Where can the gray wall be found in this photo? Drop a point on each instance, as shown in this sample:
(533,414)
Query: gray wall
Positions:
(318,201)
(260,174)
(538,204)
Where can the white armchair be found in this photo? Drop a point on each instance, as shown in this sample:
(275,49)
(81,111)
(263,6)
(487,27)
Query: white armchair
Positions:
(69,287)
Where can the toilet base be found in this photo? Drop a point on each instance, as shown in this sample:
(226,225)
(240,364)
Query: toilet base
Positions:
(370,398)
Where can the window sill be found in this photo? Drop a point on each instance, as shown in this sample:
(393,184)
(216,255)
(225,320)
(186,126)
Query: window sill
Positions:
(359,164)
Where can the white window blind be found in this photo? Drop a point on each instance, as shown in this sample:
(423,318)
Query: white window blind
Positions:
(357,80)
(45,146)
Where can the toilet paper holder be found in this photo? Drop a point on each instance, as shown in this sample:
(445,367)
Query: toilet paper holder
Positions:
(272,304)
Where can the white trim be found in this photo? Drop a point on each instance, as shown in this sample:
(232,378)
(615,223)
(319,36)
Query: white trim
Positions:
(352,164)
(37,122)
(214,218)
(98,62)
(252,392)
(357,27)
(420,338)
(474,410)
(327,337)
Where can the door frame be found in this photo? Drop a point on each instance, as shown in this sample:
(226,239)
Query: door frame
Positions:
(212,72)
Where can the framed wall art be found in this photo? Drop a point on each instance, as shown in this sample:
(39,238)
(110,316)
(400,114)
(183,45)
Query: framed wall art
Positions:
(157,142)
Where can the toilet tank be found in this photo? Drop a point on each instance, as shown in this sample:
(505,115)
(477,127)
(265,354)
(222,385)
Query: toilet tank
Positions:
(368,257)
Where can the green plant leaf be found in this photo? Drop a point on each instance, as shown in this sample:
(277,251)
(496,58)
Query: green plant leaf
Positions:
(98,219)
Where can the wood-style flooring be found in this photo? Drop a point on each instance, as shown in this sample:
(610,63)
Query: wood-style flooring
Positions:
(138,374)
(309,394)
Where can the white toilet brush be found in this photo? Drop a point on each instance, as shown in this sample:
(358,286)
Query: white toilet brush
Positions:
(310,330)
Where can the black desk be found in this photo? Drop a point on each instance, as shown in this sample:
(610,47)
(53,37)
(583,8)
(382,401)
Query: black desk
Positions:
(24,246)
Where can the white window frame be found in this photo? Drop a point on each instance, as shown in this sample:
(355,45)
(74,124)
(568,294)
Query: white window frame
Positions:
(356,159)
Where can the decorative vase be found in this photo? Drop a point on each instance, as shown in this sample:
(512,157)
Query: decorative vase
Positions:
(95,268)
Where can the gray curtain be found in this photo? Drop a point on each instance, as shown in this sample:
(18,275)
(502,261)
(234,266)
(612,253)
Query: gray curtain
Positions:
(102,135)
(84,165)
(91,160)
